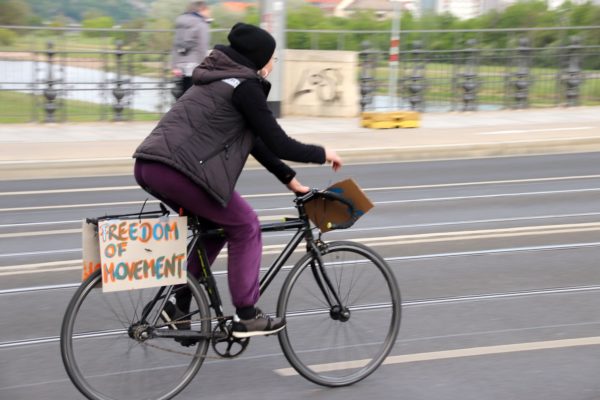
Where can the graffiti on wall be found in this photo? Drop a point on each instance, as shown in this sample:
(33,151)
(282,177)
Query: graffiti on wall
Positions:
(324,84)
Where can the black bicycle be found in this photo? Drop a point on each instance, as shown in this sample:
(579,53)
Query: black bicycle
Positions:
(340,300)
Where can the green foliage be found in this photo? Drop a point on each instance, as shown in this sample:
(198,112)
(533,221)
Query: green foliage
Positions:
(7,37)
(160,40)
(21,108)
(76,10)
(224,18)
(102,22)
(334,33)
(59,21)
(166,10)
(305,17)
(14,12)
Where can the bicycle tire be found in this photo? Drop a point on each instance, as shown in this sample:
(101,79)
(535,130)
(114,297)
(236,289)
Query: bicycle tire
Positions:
(105,363)
(339,352)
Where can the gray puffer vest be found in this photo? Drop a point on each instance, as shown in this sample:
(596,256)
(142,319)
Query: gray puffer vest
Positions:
(203,135)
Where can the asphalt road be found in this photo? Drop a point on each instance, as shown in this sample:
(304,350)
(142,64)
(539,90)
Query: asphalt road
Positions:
(496,260)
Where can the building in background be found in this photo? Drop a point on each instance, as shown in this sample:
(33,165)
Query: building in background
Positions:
(382,8)
(427,6)
(237,6)
(463,9)
(328,6)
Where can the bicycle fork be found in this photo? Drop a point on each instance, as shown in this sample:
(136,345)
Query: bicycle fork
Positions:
(337,310)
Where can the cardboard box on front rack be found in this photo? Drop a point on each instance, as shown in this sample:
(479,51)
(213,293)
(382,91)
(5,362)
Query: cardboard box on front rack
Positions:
(322,212)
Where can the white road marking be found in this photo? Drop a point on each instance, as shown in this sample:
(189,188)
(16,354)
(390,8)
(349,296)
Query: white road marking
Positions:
(128,203)
(498,182)
(354,229)
(576,128)
(78,230)
(37,253)
(70,206)
(65,191)
(440,185)
(463,235)
(486,196)
(37,271)
(381,241)
(464,145)
(16,225)
(39,233)
(457,353)
(40,265)
(71,160)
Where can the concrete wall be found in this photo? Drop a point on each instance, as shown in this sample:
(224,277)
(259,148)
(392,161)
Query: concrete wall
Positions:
(320,83)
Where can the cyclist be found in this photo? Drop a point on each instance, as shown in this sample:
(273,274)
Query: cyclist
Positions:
(194,156)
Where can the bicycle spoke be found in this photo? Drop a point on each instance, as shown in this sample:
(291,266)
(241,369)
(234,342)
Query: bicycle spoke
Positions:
(109,354)
(343,343)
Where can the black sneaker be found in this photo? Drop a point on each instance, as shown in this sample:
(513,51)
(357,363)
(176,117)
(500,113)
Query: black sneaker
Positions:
(172,313)
(260,325)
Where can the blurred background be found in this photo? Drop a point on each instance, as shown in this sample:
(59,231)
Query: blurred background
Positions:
(96,61)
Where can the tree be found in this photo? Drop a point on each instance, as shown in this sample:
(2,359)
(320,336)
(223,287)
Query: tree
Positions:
(14,12)
(167,10)
(303,17)
(120,10)
(102,22)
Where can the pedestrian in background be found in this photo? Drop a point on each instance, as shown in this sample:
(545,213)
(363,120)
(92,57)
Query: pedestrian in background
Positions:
(191,43)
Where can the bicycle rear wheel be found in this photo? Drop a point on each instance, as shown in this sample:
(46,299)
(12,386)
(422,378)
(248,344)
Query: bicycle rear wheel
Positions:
(106,355)
(339,344)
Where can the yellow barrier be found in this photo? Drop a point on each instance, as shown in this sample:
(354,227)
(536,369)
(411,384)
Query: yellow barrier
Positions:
(392,119)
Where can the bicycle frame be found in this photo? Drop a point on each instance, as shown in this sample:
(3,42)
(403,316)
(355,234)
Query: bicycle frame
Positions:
(303,232)
(300,224)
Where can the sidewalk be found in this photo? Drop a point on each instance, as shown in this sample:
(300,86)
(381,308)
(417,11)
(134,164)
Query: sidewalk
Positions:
(103,148)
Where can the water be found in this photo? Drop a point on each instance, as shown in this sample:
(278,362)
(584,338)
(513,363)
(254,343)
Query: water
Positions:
(85,84)
(386,103)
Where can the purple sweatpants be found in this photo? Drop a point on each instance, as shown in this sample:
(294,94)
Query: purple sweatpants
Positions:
(238,219)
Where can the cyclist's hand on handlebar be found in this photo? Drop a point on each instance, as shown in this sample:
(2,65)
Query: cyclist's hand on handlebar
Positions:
(295,186)
(333,158)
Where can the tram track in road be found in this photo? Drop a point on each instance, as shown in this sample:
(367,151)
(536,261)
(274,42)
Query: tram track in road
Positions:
(477,297)
(75,264)
(368,190)
(21,230)
(377,241)
(138,203)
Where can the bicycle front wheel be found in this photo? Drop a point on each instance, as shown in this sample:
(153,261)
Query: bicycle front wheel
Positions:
(339,332)
(110,351)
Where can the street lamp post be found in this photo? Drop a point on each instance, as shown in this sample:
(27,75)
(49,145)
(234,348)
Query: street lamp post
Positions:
(394,53)
(272,17)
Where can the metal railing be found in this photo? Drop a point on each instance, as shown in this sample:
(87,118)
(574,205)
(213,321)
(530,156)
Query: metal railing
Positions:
(72,74)
(476,74)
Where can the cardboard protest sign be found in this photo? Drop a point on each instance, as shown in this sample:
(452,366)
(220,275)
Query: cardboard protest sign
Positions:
(90,249)
(322,212)
(141,253)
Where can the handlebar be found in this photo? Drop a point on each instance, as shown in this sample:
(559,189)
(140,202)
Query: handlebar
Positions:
(329,195)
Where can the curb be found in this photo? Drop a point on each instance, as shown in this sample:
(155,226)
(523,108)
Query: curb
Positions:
(45,169)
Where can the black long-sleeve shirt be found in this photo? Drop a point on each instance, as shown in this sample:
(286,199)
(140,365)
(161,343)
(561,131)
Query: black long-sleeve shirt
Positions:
(272,143)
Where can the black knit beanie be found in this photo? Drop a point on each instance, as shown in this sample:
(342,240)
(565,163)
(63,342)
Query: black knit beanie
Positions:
(254,43)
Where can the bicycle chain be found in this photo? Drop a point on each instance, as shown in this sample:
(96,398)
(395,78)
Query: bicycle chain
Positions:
(226,317)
